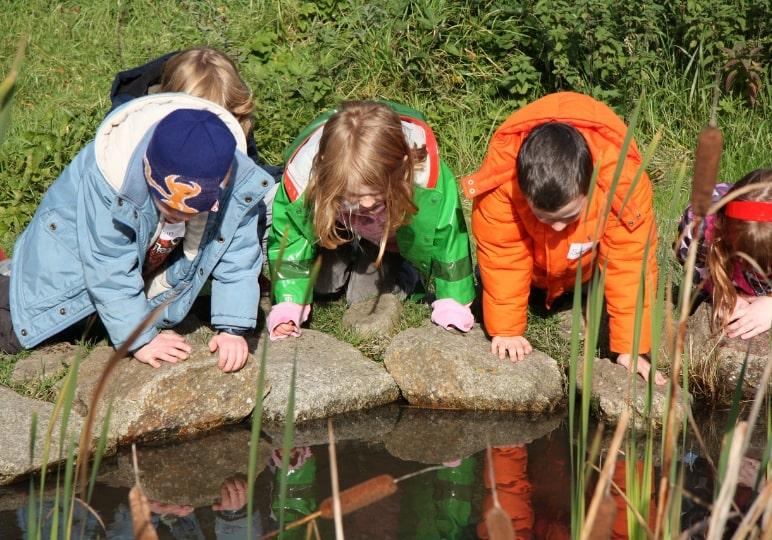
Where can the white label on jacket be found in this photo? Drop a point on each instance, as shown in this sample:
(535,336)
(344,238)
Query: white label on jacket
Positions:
(577,250)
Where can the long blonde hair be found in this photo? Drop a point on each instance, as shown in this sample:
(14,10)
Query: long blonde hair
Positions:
(209,74)
(732,236)
(362,145)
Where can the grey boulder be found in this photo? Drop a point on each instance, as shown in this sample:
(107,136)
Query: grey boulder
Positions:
(15,426)
(332,377)
(173,400)
(614,390)
(437,368)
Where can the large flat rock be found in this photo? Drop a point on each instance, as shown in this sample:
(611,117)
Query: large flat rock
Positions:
(720,359)
(435,436)
(192,472)
(332,378)
(434,367)
(614,390)
(15,424)
(181,399)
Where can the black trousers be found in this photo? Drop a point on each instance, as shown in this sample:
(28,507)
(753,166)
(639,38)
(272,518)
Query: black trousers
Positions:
(9,343)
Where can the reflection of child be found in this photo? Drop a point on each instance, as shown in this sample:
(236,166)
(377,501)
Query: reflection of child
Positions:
(742,301)
(367,184)
(536,222)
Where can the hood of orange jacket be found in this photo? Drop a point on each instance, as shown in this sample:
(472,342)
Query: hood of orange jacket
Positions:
(516,250)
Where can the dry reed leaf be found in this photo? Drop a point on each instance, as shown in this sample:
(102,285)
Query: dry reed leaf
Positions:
(499,524)
(707,156)
(361,495)
(140,515)
(336,505)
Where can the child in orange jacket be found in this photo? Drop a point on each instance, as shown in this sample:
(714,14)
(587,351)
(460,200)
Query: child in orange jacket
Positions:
(536,221)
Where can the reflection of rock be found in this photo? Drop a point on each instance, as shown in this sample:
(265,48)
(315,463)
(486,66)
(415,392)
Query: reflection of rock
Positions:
(719,361)
(436,436)
(46,361)
(190,472)
(15,425)
(368,425)
(434,367)
(175,399)
(332,378)
(611,394)
(379,315)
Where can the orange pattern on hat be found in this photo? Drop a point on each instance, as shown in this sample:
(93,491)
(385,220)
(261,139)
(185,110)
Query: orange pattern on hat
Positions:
(176,193)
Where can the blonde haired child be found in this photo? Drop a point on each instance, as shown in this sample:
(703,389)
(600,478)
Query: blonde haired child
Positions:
(365,185)
(199,71)
(742,296)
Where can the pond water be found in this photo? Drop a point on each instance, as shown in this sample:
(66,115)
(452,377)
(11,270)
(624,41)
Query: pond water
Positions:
(198,487)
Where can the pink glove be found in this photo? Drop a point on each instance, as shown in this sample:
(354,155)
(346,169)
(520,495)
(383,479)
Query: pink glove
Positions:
(285,312)
(447,312)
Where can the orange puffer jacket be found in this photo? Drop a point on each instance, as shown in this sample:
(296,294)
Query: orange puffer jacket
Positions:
(516,251)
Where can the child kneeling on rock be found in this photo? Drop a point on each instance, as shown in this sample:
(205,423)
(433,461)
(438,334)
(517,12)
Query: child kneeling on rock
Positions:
(366,183)
(741,290)
(536,224)
(162,199)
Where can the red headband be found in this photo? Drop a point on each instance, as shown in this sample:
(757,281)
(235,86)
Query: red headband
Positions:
(749,210)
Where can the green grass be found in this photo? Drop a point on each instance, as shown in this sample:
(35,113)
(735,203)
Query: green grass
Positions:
(327,318)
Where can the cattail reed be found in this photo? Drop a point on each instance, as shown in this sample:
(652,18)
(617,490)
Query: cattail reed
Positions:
(499,524)
(710,143)
(361,495)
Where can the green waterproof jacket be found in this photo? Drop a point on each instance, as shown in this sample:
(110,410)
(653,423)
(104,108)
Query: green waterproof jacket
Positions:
(435,242)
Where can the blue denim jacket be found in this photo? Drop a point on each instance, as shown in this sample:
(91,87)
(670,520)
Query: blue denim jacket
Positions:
(85,247)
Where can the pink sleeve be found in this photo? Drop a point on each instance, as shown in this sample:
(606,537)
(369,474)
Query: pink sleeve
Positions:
(285,312)
(447,312)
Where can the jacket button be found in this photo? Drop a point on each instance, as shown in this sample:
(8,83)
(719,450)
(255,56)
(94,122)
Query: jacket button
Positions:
(472,191)
(264,183)
(221,239)
(200,271)
(23,332)
(52,226)
(62,311)
(470,182)
(120,202)
(136,215)
(247,200)
(435,198)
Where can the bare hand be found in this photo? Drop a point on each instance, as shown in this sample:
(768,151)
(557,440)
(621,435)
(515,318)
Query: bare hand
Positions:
(750,319)
(233,351)
(167,347)
(233,495)
(516,346)
(284,329)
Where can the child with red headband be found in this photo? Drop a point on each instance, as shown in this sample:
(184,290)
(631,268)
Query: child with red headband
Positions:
(739,232)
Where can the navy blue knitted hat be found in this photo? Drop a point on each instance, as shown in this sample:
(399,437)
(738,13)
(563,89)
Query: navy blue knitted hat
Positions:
(189,154)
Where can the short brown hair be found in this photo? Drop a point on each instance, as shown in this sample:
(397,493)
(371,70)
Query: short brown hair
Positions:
(554,166)
(207,73)
(362,145)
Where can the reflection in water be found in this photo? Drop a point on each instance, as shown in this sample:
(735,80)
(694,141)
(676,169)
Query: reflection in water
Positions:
(532,481)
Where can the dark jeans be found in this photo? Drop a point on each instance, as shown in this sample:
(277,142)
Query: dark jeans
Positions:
(351,268)
(9,343)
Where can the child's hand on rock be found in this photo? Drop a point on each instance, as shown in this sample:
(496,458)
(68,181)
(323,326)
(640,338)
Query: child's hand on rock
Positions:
(233,351)
(284,330)
(165,347)
(751,317)
(516,346)
(233,495)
